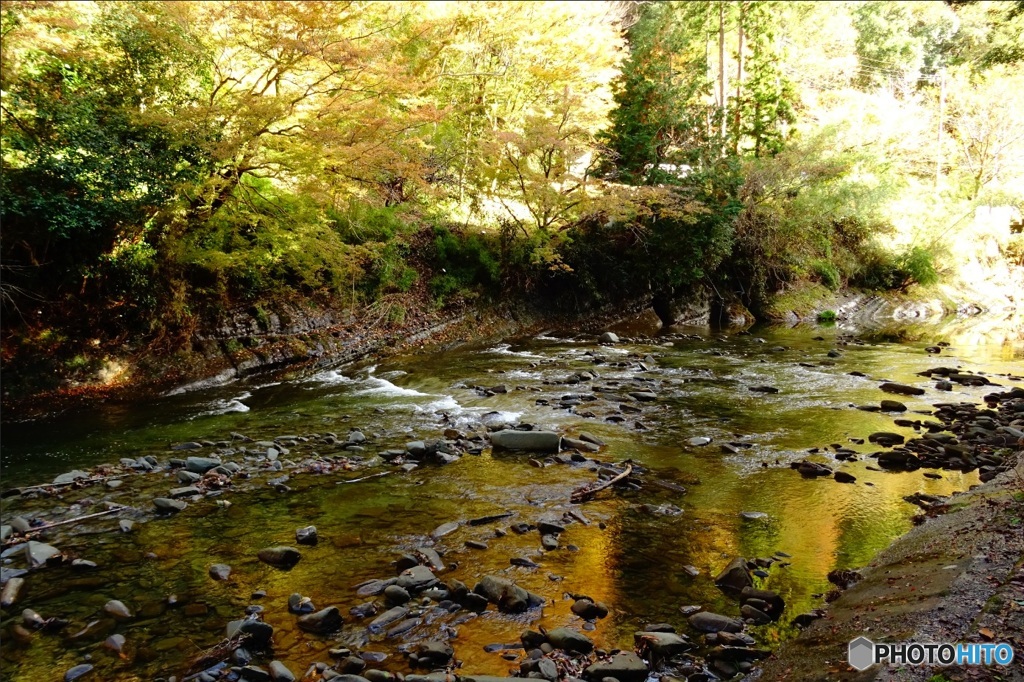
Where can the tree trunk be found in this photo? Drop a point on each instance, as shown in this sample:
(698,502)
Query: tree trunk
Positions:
(739,77)
(722,78)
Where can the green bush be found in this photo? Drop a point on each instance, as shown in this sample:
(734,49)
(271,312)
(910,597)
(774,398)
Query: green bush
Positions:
(827,273)
(465,262)
(827,317)
(884,271)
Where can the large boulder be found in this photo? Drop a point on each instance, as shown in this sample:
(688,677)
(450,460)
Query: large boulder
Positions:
(535,441)
(661,645)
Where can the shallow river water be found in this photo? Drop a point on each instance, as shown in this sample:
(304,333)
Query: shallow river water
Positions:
(631,556)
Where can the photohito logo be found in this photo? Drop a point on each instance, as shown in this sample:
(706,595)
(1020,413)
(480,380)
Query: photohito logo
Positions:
(863,653)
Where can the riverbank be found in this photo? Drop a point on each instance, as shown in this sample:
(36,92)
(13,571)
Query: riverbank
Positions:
(957,577)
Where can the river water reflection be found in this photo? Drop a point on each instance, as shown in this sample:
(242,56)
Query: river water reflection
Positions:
(631,556)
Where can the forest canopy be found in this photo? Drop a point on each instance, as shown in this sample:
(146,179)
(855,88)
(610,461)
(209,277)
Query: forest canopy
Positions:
(166,161)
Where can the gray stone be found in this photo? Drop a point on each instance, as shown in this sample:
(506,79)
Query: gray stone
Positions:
(756,616)
(589,610)
(536,441)
(201,465)
(396,595)
(662,645)
(70,477)
(281,557)
(77,672)
(705,621)
(698,441)
(570,640)
(417,578)
(306,536)
(322,622)
(444,529)
(434,654)
(9,594)
(117,609)
(39,553)
(624,667)
(893,406)
(220,571)
(506,595)
(187,477)
(187,491)
(385,619)
(168,506)
(608,337)
(734,577)
(279,672)
(115,643)
(644,396)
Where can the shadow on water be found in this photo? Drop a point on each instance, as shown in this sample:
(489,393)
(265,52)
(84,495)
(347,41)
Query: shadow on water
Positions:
(635,554)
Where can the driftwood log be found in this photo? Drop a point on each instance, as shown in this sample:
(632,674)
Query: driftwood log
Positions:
(588,491)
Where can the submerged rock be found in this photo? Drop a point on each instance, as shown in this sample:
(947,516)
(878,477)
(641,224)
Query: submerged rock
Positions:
(706,621)
(570,640)
(734,577)
(624,667)
(281,557)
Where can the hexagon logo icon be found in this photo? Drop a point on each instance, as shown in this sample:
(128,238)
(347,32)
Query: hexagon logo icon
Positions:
(862,653)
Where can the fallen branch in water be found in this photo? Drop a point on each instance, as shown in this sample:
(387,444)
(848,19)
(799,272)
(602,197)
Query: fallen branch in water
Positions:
(364,478)
(588,491)
(65,522)
(84,481)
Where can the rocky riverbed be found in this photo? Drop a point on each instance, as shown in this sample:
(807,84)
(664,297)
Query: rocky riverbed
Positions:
(571,508)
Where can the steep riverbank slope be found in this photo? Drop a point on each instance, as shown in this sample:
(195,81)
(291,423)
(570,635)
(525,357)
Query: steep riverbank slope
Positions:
(958,577)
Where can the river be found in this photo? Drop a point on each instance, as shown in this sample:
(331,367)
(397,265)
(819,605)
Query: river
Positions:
(631,556)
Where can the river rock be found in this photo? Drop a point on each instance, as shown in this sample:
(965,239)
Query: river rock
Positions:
(9,594)
(259,633)
(279,672)
(40,553)
(299,604)
(77,672)
(70,477)
(734,577)
(755,615)
(843,477)
(706,621)
(187,491)
(535,441)
(770,602)
(417,579)
(392,615)
(589,610)
(322,622)
(281,557)
(220,571)
(608,337)
(698,441)
(201,465)
(187,477)
(506,595)
(624,667)
(306,536)
(115,643)
(644,396)
(166,505)
(6,532)
(434,654)
(886,438)
(118,610)
(570,640)
(444,529)
(662,645)
(396,595)
(893,406)
(901,389)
